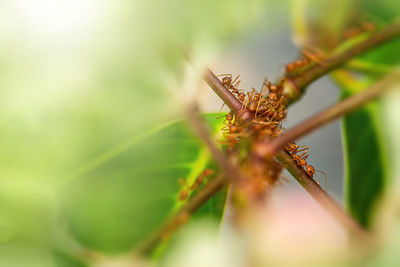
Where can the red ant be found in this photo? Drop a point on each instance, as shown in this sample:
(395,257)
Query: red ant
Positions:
(294,149)
(228,118)
(308,58)
(301,161)
(186,190)
(231,85)
(200,178)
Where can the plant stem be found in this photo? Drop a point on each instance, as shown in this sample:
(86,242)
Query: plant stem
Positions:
(295,86)
(270,147)
(228,98)
(319,194)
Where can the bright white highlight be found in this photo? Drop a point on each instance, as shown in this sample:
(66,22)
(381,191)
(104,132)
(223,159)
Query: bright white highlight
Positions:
(59,18)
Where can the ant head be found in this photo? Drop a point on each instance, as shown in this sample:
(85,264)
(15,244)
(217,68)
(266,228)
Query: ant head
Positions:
(226,81)
(252,106)
(310,170)
(290,147)
(208,172)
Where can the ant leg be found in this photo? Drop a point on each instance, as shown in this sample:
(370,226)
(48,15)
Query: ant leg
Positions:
(262,94)
(225,128)
(237,77)
(253,91)
(301,150)
(316,178)
(258,104)
(222,116)
(304,155)
(220,111)
(236,85)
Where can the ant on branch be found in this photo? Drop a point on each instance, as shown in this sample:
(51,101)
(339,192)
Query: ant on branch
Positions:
(232,85)
(308,58)
(293,149)
(186,189)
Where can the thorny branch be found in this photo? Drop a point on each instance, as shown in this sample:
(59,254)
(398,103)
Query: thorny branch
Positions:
(295,86)
(270,147)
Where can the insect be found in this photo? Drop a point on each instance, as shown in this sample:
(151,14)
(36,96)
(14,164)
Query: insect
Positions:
(228,118)
(301,161)
(200,178)
(294,149)
(231,84)
(231,134)
(186,190)
(362,27)
(308,57)
(297,64)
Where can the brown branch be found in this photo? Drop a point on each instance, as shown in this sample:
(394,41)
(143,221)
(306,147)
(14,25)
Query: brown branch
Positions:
(228,98)
(310,186)
(295,86)
(270,147)
(319,194)
(182,216)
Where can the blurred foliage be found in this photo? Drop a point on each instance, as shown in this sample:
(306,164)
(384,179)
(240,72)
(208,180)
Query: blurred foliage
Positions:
(116,204)
(364,182)
(91,141)
(83,83)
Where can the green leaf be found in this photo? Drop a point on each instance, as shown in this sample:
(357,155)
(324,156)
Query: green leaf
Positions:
(364,153)
(384,55)
(115,205)
(381,14)
(320,24)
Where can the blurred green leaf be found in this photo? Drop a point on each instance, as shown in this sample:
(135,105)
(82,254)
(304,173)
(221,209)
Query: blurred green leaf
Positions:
(364,152)
(119,202)
(64,260)
(78,77)
(320,24)
(385,55)
(382,12)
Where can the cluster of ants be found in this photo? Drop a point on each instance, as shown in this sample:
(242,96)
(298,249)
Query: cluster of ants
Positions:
(269,111)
